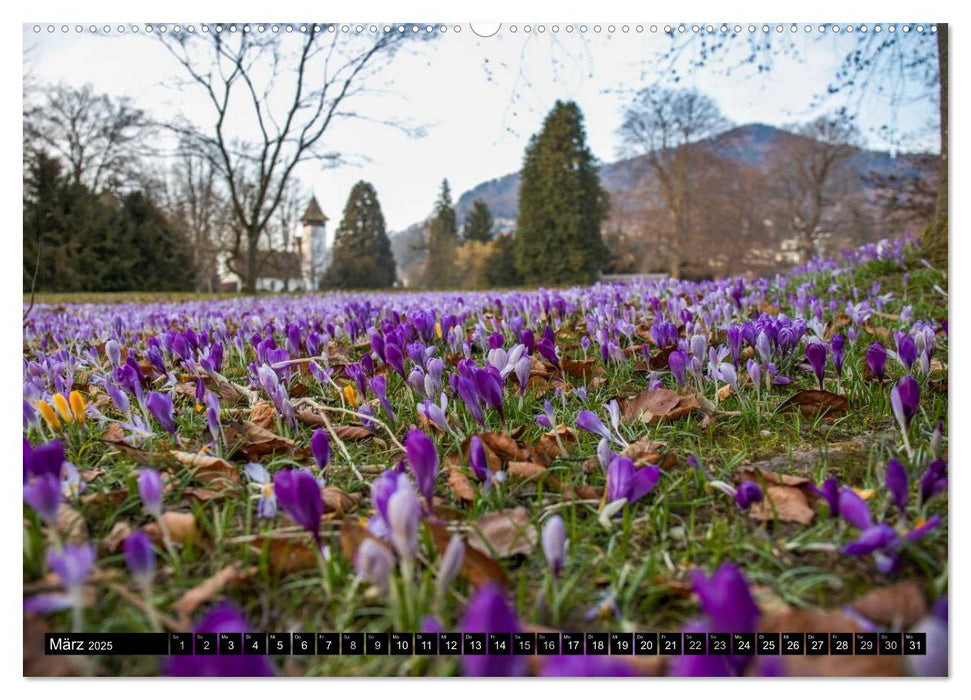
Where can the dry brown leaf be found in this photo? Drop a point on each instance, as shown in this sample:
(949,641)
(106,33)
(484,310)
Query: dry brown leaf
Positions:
(477,568)
(205,495)
(558,442)
(724,392)
(772,477)
(461,486)
(504,446)
(352,433)
(814,402)
(656,405)
(339,501)
(787,503)
(582,369)
(646,451)
(209,469)
(115,497)
(137,454)
(263,414)
(287,555)
(583,492)
(352,535)
(71,525)
(204,592)
(504,534)
(181,528)
(530,471)
(898,607)
(253,441)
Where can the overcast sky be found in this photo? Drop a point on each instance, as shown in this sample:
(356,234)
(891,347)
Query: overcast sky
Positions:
(479,100)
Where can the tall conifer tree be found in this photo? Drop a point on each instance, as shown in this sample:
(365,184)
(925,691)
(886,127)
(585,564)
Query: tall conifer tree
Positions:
(561,204)
(478,224)
(440,269)
(362,255)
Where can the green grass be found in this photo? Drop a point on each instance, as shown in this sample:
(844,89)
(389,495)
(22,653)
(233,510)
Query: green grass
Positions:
(642,564)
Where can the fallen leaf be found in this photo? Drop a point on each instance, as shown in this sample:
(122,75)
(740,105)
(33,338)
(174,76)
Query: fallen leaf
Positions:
(352,433)
(460,485)
(772,477)
(254,441)
(724,392)
(263,414)
(582,369)
(71,525)
(504,534)
(504,446)
(657,405)
(647,451)
(204,592)
(209,469)
(477,568)
(287,555)
(205,495)
(352,535)
(556,443)
(529,471)
(897,607)
(814,402)
(181,528)
(787,503)
(339,501)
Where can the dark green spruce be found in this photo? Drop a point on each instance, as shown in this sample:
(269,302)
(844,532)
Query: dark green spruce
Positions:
(362,255)
(561,204)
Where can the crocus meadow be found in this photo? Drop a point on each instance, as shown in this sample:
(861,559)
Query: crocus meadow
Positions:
(649,455)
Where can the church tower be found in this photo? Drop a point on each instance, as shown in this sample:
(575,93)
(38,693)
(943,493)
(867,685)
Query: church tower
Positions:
(312,245)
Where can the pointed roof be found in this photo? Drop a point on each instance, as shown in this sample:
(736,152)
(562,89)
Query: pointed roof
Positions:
(313,215)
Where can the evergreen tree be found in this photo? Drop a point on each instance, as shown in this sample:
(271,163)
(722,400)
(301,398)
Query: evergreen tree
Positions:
(478,224)
(442,242)
(157,256)
(362,255)
(561,204)
(502,270)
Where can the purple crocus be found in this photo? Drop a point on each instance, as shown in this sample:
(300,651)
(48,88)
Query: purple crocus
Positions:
(222,617)
(678,361)
(876,359)
(816,354)
(73,565)
(373,563)
(830,491)
(478,461)
(906,349)
(554,543)
(423,460)
(451,563)
(395,359)
(747,493)
(43,494)
(624,480)
(298,493)
(379,386)
(590,421)
(404,516)
(160,406)
(726,600)
(267,504)
(897,483)
(140,556)
(934,480)
(320,448)
(904,401)
(488,611)
(43,459)
(150,491)
(837,344)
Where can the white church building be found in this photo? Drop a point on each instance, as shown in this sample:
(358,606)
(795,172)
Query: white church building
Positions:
(300,269)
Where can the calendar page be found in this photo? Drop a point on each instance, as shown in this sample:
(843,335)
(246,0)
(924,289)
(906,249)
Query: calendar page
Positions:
(437,349)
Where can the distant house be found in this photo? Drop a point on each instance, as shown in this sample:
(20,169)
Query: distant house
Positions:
(295,270)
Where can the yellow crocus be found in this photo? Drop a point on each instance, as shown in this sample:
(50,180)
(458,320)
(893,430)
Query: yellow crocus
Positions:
(77,406)
(865,494)
(60,402)
(48,413)
(351,395)
(438,329)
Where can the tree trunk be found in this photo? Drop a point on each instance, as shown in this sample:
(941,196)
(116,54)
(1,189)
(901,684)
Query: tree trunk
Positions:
(252,263)
(808,246)
(936,239)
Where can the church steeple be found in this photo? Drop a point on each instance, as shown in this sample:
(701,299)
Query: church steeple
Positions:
(313,214)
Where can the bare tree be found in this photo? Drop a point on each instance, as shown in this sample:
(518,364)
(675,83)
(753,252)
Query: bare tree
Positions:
(200,207)
(669,126)
(272,99)
(100,139)
(806,178)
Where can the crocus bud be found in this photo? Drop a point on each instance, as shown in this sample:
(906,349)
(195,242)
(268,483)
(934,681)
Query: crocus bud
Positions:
(478,460)
(43,494)
(404,515)
(423,459)
(320,448)
(140,556)
(876,359)
(373,563)
(747,493)
(150,490)
(113,351)
(816,354)
(298,493)
(590,421)
(897,483)
(554,543)
(904,401)
(451,564)
(160,406)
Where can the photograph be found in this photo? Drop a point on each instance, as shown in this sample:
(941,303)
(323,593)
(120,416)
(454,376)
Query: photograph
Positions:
(450,350)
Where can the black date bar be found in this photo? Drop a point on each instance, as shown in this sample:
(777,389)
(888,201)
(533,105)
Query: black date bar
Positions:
(106,644)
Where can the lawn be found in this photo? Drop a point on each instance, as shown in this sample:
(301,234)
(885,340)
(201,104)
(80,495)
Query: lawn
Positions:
(601,452)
